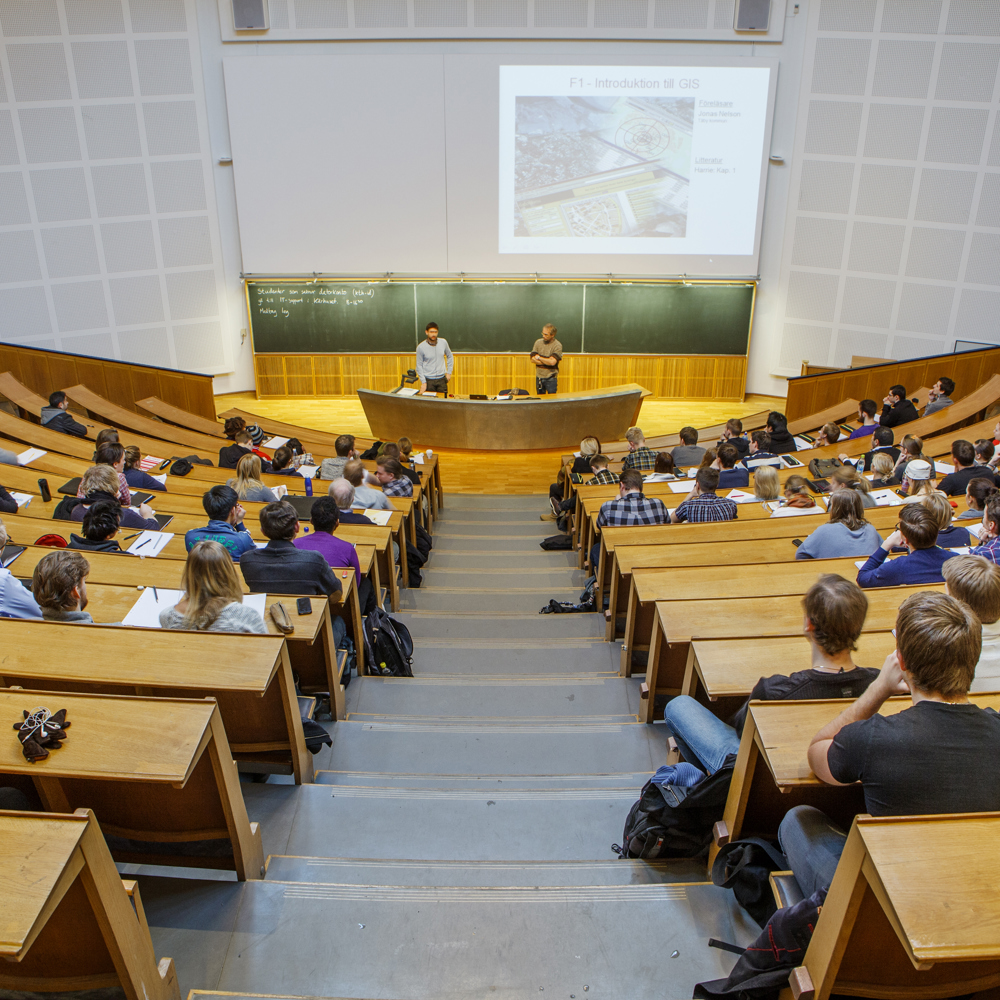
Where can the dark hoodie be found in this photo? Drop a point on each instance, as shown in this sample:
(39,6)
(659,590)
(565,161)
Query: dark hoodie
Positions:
(107,545)
(782,441)
(57,419)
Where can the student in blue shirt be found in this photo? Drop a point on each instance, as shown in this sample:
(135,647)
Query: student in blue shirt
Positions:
(225,524)
(730,477)
(918,531)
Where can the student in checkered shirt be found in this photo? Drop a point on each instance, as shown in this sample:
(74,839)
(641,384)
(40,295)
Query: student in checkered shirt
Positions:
(639,456)
(603,476)
(389,473)
(629,509)
(702,505)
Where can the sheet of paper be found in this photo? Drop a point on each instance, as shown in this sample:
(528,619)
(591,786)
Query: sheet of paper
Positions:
(428,393)
(943,468)
(886,498)
(275,442)
(28,456)
(22,499)
(798,511)
(408,390)
(683,486)
(803,445)
(150,543)
(975,529)
(308,471)
(162,480)
(417,458)
(380,517)
(149,462)
(962,550)
(145,613)
(860,562)
(261,545)
(741,496)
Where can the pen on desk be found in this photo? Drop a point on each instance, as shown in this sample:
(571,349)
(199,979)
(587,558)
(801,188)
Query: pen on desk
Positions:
(140,545)
(156,596)
(136,535)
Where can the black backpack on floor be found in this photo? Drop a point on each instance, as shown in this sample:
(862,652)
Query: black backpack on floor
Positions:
(671,821)
(556,543)
(388,646)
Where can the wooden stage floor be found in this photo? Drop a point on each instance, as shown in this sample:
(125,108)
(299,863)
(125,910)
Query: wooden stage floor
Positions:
(489,471)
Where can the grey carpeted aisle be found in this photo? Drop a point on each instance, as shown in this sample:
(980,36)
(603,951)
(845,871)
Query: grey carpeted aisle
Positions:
(457,840)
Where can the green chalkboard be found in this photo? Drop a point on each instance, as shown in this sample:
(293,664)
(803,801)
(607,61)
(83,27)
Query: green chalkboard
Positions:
(493,318)
(668,319)
(328,317)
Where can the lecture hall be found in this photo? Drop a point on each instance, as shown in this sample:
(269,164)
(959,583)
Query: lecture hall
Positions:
(499,497)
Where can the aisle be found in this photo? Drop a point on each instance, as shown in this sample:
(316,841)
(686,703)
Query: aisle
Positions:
(458,838)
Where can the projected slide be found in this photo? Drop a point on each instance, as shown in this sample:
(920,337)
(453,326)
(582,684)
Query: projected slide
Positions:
(658,160)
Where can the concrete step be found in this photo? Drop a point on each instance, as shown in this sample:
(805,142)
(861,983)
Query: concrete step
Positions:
(485,561)
(491,698)
(499,517)
(502,502)
(499,600)
(487,783)
(514,657)
(502,544)
(492,579)
(319,940)
(499,874)
(528,627)
(520,528)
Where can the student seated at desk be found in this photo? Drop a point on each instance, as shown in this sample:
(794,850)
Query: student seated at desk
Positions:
(213,598)
(283,463)
(989,537)
(343,495)
(229,457)
(391,450)
(848,478)
(828,434)
(333,468)
(760,451)
(730,476)
(883,473)
(976,582)
(835,611)
(918,531)
(685,455)
(950,536)
(113,455)
(364,495)
(100,482)
(733,434)
(100,525)
(847,533)
(976,494)
(281,568)
(701,505)
(766,485)
(248,485)
(59,585)
(629,509)
(911,449)
(390,474)
(867,409)
(225,523)
(796,493)
(56,417)
(15,599)
(640,457)
(8,505)
(136,478)
(782,441)
(937,756)
(603,476)
(963,454)
(664,470)
(882,442)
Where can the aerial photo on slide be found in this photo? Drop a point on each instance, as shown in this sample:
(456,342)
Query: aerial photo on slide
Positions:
(602,166)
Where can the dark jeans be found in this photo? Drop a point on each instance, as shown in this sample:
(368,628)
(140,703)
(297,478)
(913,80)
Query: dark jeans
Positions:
(546,386)
(438,385)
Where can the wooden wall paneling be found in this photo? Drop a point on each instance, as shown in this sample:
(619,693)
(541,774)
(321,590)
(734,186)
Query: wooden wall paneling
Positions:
(42,373)
(357,373)
(328,375)
(119,385)
(145,382)
(387,370)
(299,375)
(270,372)
(91,374)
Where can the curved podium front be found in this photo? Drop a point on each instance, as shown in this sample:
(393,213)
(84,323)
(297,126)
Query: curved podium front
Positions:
(521,424)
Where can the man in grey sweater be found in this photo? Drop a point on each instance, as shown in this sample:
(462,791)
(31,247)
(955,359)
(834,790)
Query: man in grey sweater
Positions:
(434,361)
(940,396)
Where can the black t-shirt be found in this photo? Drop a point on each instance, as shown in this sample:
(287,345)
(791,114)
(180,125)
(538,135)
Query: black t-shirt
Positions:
(931,758)
(805,684)
(956,483)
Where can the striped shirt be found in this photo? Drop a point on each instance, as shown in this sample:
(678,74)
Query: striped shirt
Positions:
(631,510)
(706,507)
(991,550)
(642,459)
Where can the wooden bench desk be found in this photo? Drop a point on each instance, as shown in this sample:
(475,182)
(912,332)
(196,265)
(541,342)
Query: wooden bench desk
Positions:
(704,582)
(311,647)
(677,623)
(154,770)
(912,911)
(772,771)
(68,922)
(248,675)
(182,418)
(726,670)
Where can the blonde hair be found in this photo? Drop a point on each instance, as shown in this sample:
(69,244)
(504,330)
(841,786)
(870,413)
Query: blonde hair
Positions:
(796,484)
(635,436)
(247,476)
(939,505)
(765,482)
(975,582)
(847,475)
(405,445)
(922,488)
(591,446)
(210,584)
(882,464)
(100,477)
(3,534)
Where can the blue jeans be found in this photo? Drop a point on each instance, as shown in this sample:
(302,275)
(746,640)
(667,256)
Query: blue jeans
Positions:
(702,738)
(545,386)
(813,845)
(339,630)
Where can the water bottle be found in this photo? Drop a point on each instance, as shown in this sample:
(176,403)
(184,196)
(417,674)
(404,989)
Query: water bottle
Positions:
(309,487)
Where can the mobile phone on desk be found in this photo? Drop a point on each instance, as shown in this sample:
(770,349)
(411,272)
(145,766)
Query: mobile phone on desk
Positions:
(165,463)
(43,488)
(304,606)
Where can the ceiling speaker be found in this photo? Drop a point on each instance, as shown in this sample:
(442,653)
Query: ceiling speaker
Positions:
(250,15)
(751,15)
